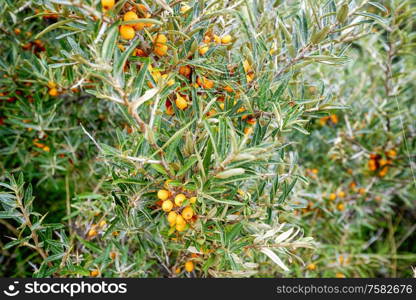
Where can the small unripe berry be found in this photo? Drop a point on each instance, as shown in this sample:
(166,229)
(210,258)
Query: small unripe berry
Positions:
(167,205)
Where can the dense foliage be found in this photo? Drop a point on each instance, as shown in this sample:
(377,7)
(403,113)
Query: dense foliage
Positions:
(207,138)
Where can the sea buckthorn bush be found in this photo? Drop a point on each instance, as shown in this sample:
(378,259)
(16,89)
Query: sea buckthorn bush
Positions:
(207,138)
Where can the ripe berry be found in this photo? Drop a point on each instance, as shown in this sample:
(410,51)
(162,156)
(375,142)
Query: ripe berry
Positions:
(185,71)
(332,196)
(172,217)
(94,273)
(226,39)
(179,199)
(127,32)
(189,266)
(180,220)
(53,92)
(180,227)
(163,194)
(107,4)
(161,39)
(181,103)
(203,50)
(167,205)
(187,213)
(160,50)
(192,200)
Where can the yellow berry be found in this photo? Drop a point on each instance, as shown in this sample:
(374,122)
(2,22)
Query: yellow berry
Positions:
(167,205)
(94,273)
(332,196)
(179,199)
(172,217)
(92,232)
(127,32)
(192,200)
(130,16)
(340,206)
(107,4)
(181,103)
(187,213)
(226,39)
(180,220)
(51,84)
(339,275)
(161,39)
(102,223)
(189,266)
(341,194)
(311,267)
(217,39)
(180,227)
(203,50)
(163,194)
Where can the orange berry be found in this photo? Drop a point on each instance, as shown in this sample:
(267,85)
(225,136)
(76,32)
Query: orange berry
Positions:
(53,92)
(127,32)
(187,213)
(185,71)
(189,266)
(311,267)
(181,103)
(94,273)
(160,50)
(228,89)
(332,196)
(92,232)
(341,207)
